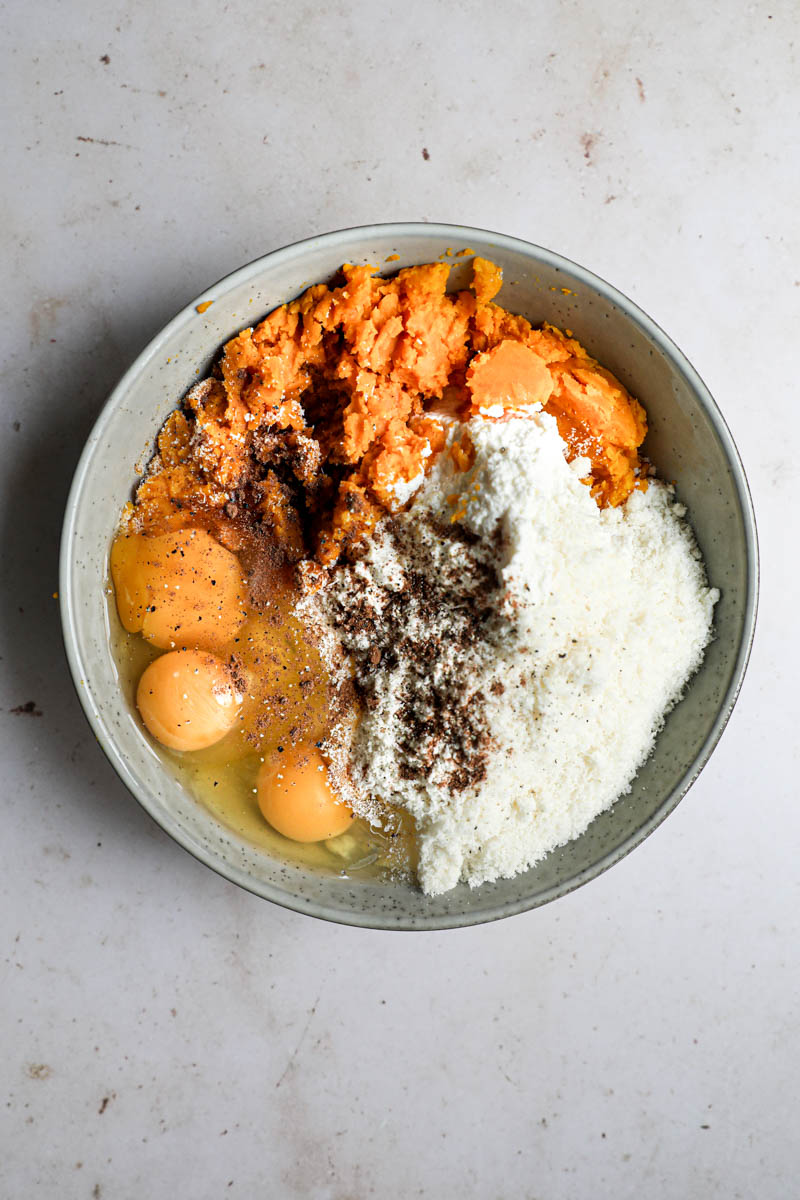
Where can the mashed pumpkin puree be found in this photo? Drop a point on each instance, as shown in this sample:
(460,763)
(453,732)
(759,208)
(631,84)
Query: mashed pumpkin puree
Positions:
(315,425)
(318,421)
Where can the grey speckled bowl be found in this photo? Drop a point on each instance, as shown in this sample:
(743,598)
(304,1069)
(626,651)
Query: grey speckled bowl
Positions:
(688,440)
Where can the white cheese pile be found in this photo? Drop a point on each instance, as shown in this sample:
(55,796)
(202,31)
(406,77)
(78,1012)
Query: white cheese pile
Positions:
(518,663)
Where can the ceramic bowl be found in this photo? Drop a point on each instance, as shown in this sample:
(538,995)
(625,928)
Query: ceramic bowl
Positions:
(688,440)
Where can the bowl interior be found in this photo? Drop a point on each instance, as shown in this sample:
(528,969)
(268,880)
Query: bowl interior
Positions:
(688,442)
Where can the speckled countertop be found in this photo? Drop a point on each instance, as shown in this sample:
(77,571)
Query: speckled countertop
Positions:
(167,1034)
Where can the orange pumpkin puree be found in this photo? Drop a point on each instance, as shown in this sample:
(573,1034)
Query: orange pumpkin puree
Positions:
(313,421)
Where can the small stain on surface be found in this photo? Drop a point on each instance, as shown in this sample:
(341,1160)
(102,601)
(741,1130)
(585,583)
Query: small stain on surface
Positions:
(640,89)
(105,59)
(588,141)
(425,153)
(57,852)
(44,315)
(101,142)
(27,709)
(38,1071)
(103,1105)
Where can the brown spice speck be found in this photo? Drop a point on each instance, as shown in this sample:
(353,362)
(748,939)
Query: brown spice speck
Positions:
(425,153)
(27,709)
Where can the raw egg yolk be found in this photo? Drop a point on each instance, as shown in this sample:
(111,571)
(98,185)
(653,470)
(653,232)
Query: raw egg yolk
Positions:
(188,699)
(295,796)
(178,589)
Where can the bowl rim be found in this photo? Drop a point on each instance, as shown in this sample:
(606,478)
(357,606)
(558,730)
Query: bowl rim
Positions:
(243,275)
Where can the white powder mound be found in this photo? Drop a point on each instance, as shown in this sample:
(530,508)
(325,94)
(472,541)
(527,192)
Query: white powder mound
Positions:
(517,664)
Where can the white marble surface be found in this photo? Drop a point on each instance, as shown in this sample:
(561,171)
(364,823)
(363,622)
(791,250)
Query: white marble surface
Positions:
(166,1034)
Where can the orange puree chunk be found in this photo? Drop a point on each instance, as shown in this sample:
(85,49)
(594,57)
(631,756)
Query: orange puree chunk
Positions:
(487,280)
(188,699)
(296,798)
(599,419)
(397,467)
(594,398)
(310,430)
(510,375)
(178,589)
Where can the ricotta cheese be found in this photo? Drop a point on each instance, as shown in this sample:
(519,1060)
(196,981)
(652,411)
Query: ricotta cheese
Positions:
(516,647)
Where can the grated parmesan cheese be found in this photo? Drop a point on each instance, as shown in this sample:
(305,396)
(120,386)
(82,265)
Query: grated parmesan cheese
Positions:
(527,654)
